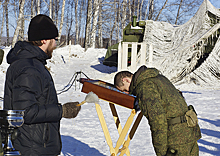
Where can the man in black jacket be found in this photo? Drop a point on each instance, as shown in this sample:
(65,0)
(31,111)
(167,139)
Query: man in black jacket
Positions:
(29,86)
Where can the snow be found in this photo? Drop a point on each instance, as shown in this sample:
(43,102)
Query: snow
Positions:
(83,135)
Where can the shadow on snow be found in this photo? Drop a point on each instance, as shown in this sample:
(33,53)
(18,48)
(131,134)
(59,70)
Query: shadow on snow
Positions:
(191,92)
(103,68)
(212,133)
(71,146)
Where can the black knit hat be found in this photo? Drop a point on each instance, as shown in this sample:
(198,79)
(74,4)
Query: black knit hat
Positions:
(42,27)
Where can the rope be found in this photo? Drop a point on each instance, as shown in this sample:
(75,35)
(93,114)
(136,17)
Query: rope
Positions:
(70,84)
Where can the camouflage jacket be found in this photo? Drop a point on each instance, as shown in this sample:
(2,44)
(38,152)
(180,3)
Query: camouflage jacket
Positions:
(160,101)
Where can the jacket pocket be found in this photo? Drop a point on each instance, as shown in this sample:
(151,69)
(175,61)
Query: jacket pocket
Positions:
(191,117)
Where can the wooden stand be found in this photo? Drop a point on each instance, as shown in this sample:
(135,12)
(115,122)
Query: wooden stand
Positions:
(122,132)
(119,99)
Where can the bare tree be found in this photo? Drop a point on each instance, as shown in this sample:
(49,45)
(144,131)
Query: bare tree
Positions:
(88,24)
(38,7)
(32,9)
(115,24)
(76,23)
(146,12)
(118,23)
(69,21)
(50,9)
(124,13)
(56,11)
(113,16)
(82,8)
(19,20)
(129,6)
(3,21)
(61,20)
(178,12)
(138,6)
(151,9)
(95,21)
(141,6)
(21,31)
(7,21)
(100,40)
(161,10)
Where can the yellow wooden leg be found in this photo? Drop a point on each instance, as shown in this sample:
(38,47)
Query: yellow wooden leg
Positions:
(117,123)
(125,130)
(116,118)
(105,129)
(131,134)
(122,132)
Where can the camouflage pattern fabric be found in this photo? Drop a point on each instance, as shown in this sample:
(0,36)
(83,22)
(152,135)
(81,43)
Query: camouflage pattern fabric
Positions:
(160,101)
(1,55)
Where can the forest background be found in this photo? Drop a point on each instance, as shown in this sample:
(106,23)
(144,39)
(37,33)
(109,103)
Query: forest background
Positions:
(90,23)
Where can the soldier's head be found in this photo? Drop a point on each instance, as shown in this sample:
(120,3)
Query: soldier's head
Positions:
(122,81)
(42,32)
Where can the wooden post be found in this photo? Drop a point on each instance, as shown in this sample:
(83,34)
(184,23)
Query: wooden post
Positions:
(150,55)
(119,56)
(124,55)
(143,54)
(134,57)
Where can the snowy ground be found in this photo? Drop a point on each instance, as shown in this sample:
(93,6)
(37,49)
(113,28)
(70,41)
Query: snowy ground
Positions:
(83,136)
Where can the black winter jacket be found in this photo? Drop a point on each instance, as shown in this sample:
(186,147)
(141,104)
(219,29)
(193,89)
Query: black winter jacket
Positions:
(29,86)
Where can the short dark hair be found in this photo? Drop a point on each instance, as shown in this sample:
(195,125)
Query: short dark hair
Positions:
(119,76)
(36,43)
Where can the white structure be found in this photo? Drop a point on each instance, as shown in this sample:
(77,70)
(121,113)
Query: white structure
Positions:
(135,60)
(183,53)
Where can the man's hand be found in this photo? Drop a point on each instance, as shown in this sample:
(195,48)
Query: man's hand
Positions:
(70,110)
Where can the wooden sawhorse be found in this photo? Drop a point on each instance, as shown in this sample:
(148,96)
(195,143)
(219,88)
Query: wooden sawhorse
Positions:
(109,93)
(122,132)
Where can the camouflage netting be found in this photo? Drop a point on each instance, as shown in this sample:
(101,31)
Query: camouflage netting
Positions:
(189,52)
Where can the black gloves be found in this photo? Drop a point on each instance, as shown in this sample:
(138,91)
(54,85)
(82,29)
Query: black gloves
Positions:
(70,110)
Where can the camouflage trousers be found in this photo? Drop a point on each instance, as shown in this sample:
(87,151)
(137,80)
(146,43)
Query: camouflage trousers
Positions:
(190,149)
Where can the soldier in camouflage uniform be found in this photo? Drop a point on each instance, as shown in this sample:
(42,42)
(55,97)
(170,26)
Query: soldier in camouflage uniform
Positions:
(160,102)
